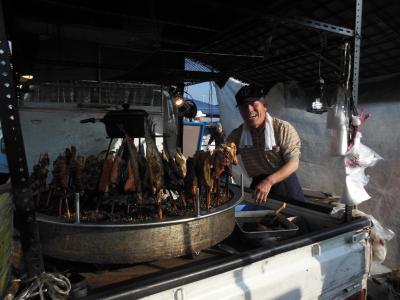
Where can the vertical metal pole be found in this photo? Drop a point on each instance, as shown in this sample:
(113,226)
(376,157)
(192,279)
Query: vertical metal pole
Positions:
(77,208)
(99,75)
(179,142)
(348,213)
(241,184)
(356,71)
(357,44)
(198,202)
(9,117)
(165,116)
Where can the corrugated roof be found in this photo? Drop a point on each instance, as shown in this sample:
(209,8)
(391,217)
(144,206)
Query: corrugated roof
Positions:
(254,41)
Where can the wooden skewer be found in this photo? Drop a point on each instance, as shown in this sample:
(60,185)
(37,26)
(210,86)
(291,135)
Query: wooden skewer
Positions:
(277,212)
(60,207)
(112,208)
(49,196)
(67,206)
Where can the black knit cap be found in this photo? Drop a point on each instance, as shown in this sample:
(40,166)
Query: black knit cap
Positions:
(248,93)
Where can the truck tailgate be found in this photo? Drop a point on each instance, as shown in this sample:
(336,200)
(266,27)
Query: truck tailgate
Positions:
(329,263)
(333,268)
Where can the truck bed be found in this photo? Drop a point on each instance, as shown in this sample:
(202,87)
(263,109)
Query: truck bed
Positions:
(325,255)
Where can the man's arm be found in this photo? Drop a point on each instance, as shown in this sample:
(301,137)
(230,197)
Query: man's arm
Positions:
(262,190)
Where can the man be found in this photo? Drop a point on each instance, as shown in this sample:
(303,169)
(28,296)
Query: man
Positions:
(199,116)
(269,148)
(217,134)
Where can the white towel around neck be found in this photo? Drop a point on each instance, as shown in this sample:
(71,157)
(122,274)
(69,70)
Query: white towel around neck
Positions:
(247,141)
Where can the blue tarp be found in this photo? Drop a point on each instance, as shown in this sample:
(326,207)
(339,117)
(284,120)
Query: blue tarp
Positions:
(3,157)
(209,110)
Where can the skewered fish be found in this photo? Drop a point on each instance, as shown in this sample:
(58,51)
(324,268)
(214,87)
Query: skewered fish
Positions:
(105,178)
(144,169)
(223,159)
(155,166)
(115,171)
(60,173)
(154,180)
(91,173)
(179,163)
(130,183)
(76,171)
(39,176)
(203,173)
(171,179)
(190,182)
(133,169)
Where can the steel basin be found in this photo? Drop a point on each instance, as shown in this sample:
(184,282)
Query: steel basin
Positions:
(134,243)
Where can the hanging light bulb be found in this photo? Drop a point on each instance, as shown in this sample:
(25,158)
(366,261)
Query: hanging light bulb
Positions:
(178,101)
(185,108)
(317,106)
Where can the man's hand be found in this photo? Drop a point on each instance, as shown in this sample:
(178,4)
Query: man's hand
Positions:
(262,190)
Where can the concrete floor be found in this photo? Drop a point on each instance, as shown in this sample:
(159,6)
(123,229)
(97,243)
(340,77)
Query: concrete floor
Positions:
(378,286)
(380,289)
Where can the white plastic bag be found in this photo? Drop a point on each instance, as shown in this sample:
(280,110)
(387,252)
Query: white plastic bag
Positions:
(356,160)
(379,236)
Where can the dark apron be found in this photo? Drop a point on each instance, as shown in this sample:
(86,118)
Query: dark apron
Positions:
(287,189)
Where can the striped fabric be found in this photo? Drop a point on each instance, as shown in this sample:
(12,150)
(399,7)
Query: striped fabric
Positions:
(259,161)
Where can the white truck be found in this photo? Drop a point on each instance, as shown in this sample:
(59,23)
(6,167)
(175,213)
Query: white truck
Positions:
(327,259)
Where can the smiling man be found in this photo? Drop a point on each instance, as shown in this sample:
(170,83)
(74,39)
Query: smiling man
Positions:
(269,148)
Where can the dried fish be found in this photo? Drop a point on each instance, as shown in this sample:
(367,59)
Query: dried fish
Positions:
(179,163)
(105,178)
(223,159)
(133,168)
(203,173)
(155,165)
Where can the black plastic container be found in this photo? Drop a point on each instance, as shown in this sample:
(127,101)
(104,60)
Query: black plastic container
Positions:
(131,120)
(119,122)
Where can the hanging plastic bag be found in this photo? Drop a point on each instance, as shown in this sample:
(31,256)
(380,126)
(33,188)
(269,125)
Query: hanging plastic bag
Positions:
(337,121)
(379,236)
(356,160)
(339,141)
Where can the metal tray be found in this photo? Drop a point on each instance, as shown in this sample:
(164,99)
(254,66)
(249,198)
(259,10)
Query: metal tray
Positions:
(254,217)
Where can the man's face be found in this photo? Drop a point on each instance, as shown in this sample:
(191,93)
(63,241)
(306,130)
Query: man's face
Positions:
(254,113)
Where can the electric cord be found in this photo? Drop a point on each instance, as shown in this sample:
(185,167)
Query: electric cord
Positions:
(56,285)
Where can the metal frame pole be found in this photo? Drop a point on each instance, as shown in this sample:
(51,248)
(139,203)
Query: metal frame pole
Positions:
(15,151)
(357,45)
(356,71)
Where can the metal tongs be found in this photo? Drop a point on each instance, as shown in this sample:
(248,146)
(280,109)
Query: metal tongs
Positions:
(277,212)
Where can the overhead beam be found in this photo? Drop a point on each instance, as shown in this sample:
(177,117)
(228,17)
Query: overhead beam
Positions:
(171,76)
(387,28)
(305,22)
(293,56)
(77,7)
(321,57)
(314,24)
